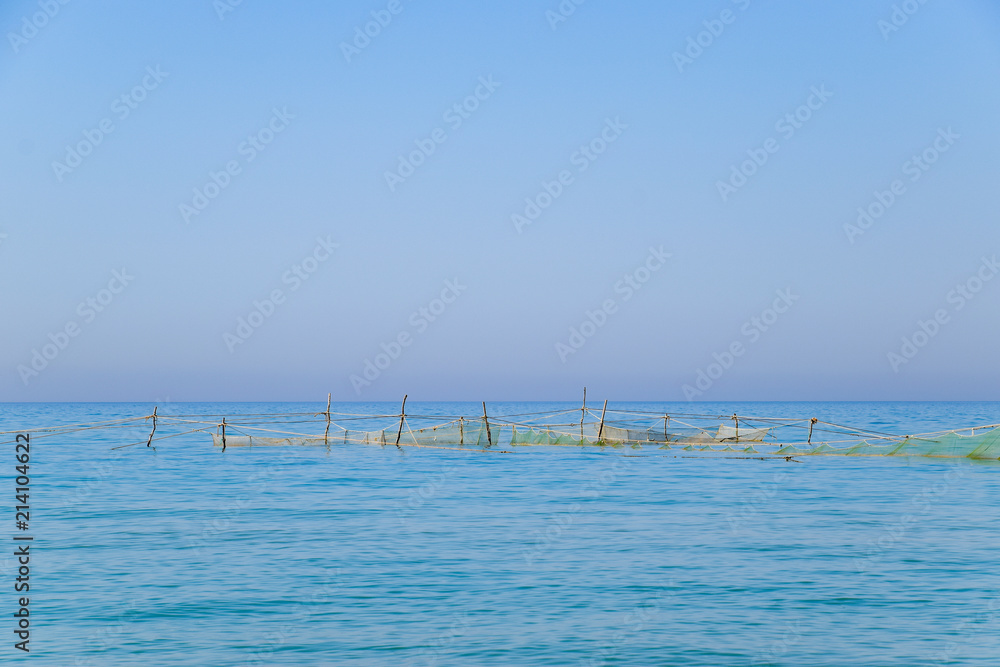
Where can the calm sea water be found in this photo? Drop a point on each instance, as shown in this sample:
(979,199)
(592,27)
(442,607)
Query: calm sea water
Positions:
(368,556)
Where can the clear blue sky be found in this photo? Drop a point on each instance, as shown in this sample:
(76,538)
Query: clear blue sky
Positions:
(338,118)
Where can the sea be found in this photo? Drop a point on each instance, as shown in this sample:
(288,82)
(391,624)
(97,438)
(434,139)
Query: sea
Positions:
(182,554)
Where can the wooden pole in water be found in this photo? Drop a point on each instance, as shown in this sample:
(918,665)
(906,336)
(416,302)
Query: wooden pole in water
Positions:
(583,412)
(737,420)
(486,419)
(150,441)
(223,434)
(600,430)
(402,416)
(326,435)
(811,424)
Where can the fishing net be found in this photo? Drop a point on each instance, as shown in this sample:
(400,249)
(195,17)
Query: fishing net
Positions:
(526,435)
(477,433)
(256,441)
(952,444)
(692,434)
(741,435)
(457,433)
(461,433)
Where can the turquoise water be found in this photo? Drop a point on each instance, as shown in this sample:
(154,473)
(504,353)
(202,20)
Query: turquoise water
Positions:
(368,556)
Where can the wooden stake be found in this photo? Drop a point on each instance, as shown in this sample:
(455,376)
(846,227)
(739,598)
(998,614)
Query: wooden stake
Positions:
(811,423)
(583,412)
(326,435)
(402,416)
(461,431)
(223,434)
(737,420)
(489,437)
(600,430)
(150,441)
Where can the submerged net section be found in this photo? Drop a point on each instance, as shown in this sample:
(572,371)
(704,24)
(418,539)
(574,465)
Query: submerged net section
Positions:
(252,441)
(692,434)
(951,444)
(731,433)
(461,432)
(681,434)
(527,435)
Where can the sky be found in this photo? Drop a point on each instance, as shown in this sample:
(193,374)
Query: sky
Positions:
(707,201)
